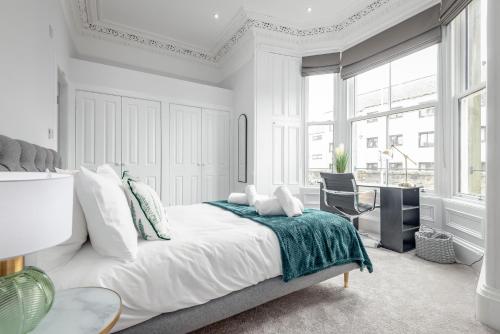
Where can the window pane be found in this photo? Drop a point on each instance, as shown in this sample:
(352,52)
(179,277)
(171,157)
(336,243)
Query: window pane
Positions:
(368,139)
(417,143)
(414,78)
(320,98)
(320,151)
(372,91)
(472,147)
(476,43)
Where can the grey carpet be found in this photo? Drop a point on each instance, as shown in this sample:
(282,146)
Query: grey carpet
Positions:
(405,294)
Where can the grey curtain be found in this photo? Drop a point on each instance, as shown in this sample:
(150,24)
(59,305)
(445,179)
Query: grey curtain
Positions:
(416,33)
(321,64)
(451,9)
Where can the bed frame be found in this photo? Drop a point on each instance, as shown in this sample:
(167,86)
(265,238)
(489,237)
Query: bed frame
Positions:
(18,155)
(195,317)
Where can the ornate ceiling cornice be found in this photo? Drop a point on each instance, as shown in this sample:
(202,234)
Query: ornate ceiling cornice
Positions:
(173,47)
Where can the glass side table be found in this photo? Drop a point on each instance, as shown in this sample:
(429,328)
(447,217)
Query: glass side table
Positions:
(82,311)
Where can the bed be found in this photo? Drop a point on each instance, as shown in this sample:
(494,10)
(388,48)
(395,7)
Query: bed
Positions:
(217,264)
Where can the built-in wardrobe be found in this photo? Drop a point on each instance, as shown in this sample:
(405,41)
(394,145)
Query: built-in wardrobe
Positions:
(181,151)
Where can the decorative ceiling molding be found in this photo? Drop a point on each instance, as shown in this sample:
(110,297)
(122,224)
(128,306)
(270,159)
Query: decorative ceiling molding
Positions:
(173,47)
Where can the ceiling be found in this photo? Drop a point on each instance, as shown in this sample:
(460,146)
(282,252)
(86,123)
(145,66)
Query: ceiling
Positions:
(188,28)
(191,22)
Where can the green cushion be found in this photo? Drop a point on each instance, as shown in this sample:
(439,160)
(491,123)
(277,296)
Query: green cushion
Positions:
(148,213)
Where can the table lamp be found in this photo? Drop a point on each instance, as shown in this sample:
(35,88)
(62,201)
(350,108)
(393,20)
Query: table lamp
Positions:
(35,213)
(388,152)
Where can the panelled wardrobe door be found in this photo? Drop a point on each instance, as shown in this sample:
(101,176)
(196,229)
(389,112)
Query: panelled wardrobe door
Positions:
(185,155)
(215,155)
(98,130)
(141,140)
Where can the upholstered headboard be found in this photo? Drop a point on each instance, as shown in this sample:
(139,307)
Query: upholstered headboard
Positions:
(18,155)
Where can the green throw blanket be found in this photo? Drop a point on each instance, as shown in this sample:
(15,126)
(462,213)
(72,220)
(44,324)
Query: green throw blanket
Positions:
(311,242)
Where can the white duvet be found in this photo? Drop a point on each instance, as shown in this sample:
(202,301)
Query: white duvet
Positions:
(212,253)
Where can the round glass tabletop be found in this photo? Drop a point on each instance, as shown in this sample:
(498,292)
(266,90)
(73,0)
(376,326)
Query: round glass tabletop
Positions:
(82,311)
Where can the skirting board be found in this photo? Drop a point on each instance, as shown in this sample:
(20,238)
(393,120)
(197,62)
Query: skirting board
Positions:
(192,318)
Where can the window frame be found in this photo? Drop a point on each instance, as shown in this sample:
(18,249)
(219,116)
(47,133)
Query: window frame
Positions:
(352,117)
(426,133)
(307,124)
(459,91)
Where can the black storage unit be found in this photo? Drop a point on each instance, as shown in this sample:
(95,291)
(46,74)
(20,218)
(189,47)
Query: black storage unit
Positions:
(399,217)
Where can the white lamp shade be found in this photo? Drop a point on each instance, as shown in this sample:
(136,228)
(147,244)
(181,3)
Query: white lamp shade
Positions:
(35,211)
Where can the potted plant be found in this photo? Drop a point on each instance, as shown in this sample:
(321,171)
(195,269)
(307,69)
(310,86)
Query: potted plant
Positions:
(341,159)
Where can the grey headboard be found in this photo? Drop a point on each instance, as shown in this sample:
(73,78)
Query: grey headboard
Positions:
(18,155)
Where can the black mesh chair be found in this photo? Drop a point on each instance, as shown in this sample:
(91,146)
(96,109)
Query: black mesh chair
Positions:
(340,194)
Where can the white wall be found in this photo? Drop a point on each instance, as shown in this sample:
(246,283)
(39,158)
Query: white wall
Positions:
(242,83)
(28,68)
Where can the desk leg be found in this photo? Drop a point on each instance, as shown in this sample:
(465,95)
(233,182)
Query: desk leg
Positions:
(346,280)
(355,222)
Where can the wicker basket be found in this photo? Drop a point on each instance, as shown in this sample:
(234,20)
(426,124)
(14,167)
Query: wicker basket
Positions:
(435,246)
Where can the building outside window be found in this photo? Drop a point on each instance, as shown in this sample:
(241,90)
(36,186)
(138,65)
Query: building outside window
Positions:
(396,140)
(372,165)
(426,139)
(384,102)
(372,142)
(396,165)
(468,32)
(429,112)
(319,90)
(426,166)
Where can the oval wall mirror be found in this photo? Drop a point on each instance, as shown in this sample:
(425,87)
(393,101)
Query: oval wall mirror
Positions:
(242,148)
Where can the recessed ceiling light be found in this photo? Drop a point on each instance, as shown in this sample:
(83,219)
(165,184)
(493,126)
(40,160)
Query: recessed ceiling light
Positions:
(216,16)
(309,9)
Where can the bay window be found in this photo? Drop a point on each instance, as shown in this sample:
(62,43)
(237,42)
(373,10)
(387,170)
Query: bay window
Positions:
(319,92)
(469,48)
(383,104)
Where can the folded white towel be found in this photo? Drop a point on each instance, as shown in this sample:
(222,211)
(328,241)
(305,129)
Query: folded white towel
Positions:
(269,207)
(287,202)
(272,207)
(238,198)
(251,194)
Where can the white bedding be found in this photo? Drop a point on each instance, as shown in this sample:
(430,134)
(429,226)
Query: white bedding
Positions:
(212,253)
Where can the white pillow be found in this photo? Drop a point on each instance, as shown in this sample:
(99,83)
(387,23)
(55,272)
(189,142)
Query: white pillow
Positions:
(53,257)
(148,212)
(109,222)
(108,172)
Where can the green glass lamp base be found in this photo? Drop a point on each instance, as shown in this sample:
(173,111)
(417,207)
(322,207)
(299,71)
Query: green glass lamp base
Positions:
(25,298)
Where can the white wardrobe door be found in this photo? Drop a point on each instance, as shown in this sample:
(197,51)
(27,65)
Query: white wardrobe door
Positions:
(141,140)
(98,130)
(215,155)
(185,155)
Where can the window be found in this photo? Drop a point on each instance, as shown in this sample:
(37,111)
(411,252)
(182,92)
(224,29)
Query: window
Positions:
(396,140)
(372,142)
(386,102)
(426,139)
(372,165)
(429,112)
(319,126)
(468,32)
(426,166)
(396,165)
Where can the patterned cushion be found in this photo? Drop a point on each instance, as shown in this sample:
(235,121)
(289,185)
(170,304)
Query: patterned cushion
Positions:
(148,212)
